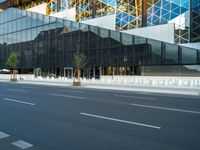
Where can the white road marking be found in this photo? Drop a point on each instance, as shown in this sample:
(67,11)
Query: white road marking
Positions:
(135,97)
(71,91)
(22,144)
(16,90)
(166,108)
(122,121)
(28,87)
(68,96)
(3,135)
(18,101)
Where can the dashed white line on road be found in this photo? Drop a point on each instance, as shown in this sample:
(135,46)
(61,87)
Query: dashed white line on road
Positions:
(22,144)
(72,91)
(28,87)
(3,135)
(18,101)
(134,97)
(16,90)
(165,108)
(122,121)
(68,96)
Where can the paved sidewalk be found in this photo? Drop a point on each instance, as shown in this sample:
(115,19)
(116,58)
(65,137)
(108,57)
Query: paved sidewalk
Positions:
(97,84)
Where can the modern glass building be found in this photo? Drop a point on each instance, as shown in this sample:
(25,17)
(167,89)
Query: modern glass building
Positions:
(45,45)
(127,14)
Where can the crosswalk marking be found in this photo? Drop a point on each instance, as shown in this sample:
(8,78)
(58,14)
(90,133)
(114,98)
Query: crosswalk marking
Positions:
(22,144)
(3,135)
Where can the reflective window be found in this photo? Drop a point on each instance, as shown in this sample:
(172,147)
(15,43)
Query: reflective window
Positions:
(75,26)
(189,56)
(139,40)
(115,38)
(1,28)
(171,52)
(67,25)
(34,20)
(155,48)
(127,39)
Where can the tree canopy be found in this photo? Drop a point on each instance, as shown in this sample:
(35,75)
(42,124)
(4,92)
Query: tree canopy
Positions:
(12,60)
(79,59)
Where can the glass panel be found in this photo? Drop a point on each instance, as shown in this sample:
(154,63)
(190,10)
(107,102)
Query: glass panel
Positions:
(139,40)
(40,20)
(1,39)
(59,23)
(171,54)
(23,23)
(34,33)
(155,48)
(46,19)
(115,39)
(34,19)
(67,25)
(29,22)
(18,24)
(28,35)
(5,28)
(84,27)
(104,33)
(14,25)
(75,26)
(189,56)
(115,36)
(1,28)
(127,39)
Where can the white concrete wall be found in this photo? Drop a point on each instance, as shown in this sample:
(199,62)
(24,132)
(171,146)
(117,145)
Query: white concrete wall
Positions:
(19,76)
(41,9)
(107,22)
(154,81)
(69,14)
(163,33)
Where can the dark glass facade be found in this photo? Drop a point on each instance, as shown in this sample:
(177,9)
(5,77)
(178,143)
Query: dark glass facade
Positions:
(47,43)
(195,21)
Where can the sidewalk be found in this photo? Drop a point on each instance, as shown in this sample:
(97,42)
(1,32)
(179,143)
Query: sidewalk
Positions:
(97,84)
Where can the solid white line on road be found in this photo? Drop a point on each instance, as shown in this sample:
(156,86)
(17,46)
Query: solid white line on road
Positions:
(166,108)
(18,101)
(22,144)
(16,90)
(134,97)
(3,135)
(68,96)
(122,121)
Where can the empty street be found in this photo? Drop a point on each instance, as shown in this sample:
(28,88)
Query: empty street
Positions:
(36,117)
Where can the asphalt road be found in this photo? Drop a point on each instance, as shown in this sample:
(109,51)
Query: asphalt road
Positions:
(36,117)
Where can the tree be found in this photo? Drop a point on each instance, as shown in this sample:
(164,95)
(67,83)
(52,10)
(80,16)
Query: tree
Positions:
(79,60)
(12,62)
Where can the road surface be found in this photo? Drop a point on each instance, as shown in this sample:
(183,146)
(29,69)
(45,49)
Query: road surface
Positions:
(36,117)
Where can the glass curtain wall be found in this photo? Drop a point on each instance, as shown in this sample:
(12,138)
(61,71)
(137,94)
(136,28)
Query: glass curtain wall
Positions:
(47,43)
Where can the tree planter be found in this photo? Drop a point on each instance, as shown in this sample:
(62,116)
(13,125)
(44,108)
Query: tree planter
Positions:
(76,82)
(13,80)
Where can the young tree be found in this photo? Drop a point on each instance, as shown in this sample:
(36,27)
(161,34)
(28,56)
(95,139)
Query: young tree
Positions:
(12,62)
(79,60)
